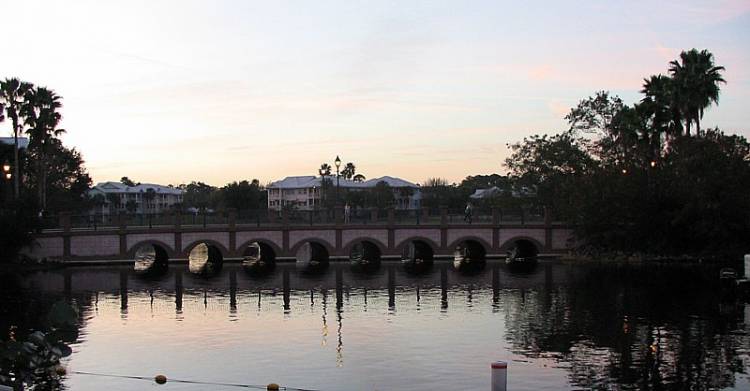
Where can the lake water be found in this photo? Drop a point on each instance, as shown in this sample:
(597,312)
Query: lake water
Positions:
(560,326)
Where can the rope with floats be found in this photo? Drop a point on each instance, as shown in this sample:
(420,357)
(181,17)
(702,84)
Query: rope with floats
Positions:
(161,379)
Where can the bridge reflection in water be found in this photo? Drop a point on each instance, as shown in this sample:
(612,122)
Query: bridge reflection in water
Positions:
(342,278)
(600,326)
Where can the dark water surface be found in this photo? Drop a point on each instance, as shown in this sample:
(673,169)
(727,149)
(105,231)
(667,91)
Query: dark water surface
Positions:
(560,326)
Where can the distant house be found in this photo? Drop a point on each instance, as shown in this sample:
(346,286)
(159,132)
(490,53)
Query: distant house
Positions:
(494,191)
(483,194)
(144,198)
(304,192)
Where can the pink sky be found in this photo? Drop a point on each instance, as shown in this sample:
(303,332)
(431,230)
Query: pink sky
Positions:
(171,92)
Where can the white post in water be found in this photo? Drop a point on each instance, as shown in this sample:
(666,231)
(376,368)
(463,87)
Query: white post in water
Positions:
(499,375)
(747,266)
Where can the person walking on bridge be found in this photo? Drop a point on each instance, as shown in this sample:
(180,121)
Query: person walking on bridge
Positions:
(467,212)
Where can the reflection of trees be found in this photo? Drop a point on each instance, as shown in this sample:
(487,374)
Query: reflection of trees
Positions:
(24,310)
(641,327)
(35,331)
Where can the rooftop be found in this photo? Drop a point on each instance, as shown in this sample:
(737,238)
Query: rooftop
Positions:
(118,187)
(304,182)
(486,193)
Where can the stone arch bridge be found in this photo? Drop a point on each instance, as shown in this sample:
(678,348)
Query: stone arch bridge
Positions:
(120,242)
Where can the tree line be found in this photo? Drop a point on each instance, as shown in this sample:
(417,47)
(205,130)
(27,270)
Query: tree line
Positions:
(198,196)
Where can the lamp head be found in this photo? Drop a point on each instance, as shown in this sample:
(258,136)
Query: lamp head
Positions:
(337,162)
(6,166)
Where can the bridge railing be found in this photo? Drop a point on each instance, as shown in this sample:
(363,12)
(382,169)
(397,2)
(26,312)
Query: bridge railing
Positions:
(274,218)
(203,219)
(148,220)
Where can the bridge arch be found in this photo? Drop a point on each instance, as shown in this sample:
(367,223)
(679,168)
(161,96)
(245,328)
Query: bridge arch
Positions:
(510,243)
(328,246)
(168,249)
(276,249)
(487,247)
(381,247)
(223,250)
(433,246)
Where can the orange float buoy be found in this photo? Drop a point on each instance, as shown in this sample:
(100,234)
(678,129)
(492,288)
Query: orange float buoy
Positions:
(272,387)
(160,379)
(60,370)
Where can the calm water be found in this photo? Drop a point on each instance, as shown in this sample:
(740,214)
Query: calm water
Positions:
(560,326)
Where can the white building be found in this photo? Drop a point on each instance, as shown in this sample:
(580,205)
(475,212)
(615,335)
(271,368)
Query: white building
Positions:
(144,198)
(304,192)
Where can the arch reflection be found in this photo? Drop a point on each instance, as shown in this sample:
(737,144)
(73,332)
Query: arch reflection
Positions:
(205,259)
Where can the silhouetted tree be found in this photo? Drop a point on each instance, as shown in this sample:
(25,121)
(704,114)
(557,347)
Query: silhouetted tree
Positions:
(627,181)
(695,84)
(349,171)
(67,182)
(41,113)
(12,99)
(198,195)
(243,195)
(325,170)
(127,182)
(380,196)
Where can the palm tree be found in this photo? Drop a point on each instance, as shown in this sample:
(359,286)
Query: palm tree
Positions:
(12,94)
(127,181)
(349,171)
(41,114)
(359,178)
(696,84)
(660,101)
(325,170)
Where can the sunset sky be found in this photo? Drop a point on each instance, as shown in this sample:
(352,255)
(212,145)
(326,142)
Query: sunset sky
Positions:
(174,91)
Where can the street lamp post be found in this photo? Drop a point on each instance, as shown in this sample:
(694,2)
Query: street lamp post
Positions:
(323,188)
(338,164)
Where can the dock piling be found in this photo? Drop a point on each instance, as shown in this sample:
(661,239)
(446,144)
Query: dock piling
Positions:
(499,376)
